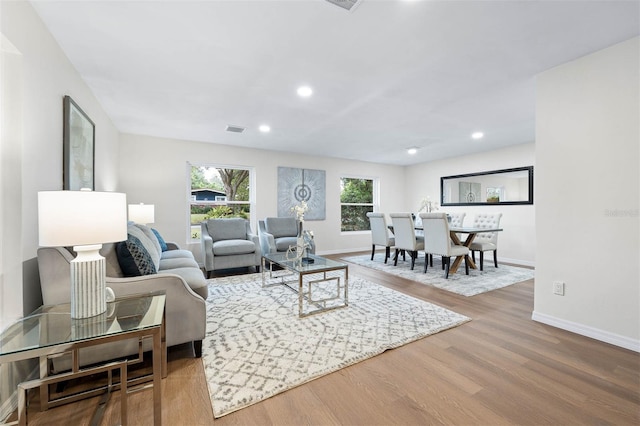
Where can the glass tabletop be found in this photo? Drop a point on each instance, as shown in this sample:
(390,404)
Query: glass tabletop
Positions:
(319,263)
(52,325)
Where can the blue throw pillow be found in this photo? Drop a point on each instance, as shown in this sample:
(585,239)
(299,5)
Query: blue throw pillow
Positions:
(163,244)
(133,258)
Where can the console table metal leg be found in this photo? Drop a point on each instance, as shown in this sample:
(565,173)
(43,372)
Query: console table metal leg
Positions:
(157,377)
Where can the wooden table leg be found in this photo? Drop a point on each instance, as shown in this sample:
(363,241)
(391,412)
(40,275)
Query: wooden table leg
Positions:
(467,243)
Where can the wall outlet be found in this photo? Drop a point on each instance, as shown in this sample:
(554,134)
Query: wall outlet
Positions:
(558,288)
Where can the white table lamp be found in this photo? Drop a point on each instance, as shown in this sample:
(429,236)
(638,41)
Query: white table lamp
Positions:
(142,213)
(84,220)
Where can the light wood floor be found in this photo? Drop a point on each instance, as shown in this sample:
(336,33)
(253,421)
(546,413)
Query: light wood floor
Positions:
(500,368)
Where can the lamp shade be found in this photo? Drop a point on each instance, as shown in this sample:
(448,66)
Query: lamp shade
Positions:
(142,213)
(76,218)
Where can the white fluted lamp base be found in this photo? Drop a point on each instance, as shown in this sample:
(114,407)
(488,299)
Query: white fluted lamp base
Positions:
(88,282)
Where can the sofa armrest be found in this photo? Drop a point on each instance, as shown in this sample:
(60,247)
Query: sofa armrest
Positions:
(186,308)
(172,246)
(267,242)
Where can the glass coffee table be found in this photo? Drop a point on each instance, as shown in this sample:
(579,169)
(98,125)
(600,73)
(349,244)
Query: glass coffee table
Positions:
(322,284)
(50,331)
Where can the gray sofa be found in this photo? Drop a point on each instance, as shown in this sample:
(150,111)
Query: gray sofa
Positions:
(178,274)
(229,243)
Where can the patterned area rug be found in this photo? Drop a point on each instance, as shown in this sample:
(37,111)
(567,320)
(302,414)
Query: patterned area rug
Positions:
(257,347)
(466,285)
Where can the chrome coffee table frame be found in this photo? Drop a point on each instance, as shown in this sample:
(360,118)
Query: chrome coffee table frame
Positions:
(325,271)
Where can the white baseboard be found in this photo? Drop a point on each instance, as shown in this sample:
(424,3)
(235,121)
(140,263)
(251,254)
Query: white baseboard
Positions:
(585,330)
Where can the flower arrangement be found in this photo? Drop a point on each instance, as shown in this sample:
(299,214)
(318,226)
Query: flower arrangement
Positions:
(427,205)
(299,210)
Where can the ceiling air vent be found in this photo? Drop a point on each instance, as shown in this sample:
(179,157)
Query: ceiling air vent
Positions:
(235,129)
(349,5)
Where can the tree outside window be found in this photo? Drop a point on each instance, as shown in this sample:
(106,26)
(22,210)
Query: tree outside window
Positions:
(218,192)
(357,198)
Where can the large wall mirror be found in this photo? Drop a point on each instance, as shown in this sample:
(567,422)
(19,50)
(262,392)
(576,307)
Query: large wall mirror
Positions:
(507,186)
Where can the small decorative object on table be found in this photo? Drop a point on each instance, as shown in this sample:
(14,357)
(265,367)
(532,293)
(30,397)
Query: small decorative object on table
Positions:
(427,205)
(299,250)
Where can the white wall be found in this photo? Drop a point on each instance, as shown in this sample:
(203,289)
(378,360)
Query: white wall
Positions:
(32,157)
(517,241)
(153,171)
(587,153)
(47,75)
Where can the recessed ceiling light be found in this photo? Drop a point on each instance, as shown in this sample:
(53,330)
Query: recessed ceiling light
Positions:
(305,91)
(264,128)
(477,135)
(412,151)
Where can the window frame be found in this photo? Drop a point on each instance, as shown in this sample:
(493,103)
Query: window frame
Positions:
(374,205)
(190,201)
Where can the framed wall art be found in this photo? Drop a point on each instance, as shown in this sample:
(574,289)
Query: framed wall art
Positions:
(78,158)
(297,185)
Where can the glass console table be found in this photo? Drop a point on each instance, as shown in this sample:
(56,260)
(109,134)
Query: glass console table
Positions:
(50,331)
(322,283)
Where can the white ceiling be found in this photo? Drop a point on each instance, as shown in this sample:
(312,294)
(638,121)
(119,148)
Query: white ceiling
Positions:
(386,76)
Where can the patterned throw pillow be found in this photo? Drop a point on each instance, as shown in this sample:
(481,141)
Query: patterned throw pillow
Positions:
(133,258)
(163,244)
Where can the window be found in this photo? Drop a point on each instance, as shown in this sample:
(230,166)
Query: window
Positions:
(357,198)
(218,191)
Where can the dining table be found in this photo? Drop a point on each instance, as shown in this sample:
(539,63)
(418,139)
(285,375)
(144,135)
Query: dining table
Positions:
(471,231)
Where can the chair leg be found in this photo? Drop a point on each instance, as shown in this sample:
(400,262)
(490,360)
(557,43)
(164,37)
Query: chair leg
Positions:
(466,266)
(481,260)
(395,258)
(208,274)
(430,260)
(426,263)
(387,254)
(373,250)
(404,255)
(257,268)
(446,261)
(473,256)
(495,258)
(413,255)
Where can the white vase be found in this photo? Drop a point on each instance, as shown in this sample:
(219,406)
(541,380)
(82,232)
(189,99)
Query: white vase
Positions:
(300,242)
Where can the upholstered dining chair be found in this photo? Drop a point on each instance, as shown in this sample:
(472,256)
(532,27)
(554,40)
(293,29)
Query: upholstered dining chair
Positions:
(438,241)
(457,220)
(380,234)
(486,241)
(405,236)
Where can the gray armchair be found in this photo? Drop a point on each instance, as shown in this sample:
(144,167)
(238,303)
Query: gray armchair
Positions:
(277,234)
(229,243)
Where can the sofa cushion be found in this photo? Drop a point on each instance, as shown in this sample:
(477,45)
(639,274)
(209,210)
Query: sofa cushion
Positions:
(175,254)
(281,226)
(163,243)
(178,262)
(133,257)
(232,247)
(283,243)
(149,245)
(227,229)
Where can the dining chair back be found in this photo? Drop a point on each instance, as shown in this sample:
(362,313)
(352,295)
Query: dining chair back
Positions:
(437,240)
(380,234)
(486,241)
(405,236)
(457,220)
